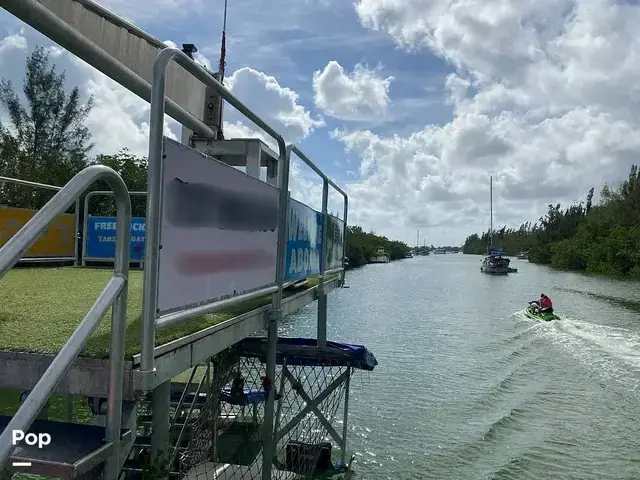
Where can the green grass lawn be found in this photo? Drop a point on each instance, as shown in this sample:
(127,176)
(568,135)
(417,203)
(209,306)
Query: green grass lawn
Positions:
(41,307)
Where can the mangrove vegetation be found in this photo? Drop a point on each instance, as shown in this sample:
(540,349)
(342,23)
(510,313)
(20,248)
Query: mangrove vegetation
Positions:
(598,238)
(361,246)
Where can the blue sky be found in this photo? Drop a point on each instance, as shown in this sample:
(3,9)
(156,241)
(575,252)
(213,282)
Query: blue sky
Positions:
(414,104)
(292,51)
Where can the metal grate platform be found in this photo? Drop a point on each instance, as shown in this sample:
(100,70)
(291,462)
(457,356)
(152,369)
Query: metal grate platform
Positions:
(74,450)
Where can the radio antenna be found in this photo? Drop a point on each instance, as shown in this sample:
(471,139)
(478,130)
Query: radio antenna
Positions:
(223,44)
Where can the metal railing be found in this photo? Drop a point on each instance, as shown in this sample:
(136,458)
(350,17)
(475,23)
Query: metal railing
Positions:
(154,185)
(153,229)
(114,295)
(54,188)
(154,205)
(322,299)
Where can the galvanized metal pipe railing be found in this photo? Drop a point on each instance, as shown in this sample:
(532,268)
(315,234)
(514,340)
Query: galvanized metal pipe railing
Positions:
(154,179)
(176,317)
(114,295)
(54,188)
(268,444)
(154,211)
(322,299)
(316,169)
(344,237)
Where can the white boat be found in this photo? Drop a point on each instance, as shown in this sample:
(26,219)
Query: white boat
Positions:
(495,263)
(380,257)
(439,251)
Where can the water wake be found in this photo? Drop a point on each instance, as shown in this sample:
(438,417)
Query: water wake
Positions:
(611,352)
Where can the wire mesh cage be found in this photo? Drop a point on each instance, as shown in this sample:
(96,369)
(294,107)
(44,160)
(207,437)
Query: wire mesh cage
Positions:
(225,438)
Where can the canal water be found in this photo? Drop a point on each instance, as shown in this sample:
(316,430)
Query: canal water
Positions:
(468,388)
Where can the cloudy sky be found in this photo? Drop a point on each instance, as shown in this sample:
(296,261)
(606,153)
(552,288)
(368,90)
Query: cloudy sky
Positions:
(408,104)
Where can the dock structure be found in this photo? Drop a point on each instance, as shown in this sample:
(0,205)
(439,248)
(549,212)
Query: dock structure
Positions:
(189,378)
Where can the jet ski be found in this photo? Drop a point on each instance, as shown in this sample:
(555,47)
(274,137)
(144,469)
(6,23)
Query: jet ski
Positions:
(541,317)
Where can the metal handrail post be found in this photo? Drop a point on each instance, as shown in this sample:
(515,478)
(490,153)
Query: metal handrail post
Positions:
(76,232)
(322,298)
(85,223)
(154,182)
(344,237)
(118,331)
(268,445)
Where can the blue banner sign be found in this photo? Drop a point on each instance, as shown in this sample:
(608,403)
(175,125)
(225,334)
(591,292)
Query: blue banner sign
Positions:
(101,238)
(304,242)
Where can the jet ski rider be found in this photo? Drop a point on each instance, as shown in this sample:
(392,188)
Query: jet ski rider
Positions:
(543,305)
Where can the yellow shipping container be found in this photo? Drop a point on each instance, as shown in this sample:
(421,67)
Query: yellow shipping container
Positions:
(58,240)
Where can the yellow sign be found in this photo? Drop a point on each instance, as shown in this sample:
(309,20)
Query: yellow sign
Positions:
(57,241)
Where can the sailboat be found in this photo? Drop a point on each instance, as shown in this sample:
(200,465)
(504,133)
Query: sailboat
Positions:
(495,263)
(421,250)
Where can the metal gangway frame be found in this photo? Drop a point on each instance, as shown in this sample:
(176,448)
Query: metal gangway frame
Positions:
(114,296)
(146,378)
(150,320)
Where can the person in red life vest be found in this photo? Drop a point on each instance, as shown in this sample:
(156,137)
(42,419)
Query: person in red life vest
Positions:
(542,305)
(546,306)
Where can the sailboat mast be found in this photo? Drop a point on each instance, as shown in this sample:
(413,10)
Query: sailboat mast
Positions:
(418,239)
(491,208)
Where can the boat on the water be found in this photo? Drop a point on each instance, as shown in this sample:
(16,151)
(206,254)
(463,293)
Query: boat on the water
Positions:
(439,251)
(522,256)
(541,317)
(380,257)
(495,263)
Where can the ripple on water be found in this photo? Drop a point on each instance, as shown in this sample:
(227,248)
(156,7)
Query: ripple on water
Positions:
(468,392)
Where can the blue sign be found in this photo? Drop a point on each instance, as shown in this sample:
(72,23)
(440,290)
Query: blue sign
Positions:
(304,242)
(101,238)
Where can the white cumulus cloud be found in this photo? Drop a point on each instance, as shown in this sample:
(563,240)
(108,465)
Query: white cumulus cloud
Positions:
(545,97)
(361,96)
(277,105)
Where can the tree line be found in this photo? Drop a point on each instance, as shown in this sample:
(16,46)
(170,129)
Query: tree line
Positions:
(597,238)
(46,141)
(361,246)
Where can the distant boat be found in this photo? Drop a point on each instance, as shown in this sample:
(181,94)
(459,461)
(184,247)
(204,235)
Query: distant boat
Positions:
(380,256)
(522,256)
(420,250)
(439,251)
(495,263)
